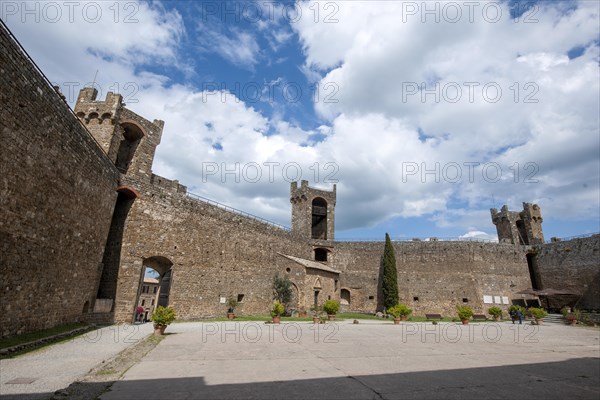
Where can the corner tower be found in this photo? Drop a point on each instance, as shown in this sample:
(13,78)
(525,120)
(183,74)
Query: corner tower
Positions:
(129,139)
(523,227)
(312,211)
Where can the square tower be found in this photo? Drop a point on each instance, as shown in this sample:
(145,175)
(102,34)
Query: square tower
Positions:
(312,211)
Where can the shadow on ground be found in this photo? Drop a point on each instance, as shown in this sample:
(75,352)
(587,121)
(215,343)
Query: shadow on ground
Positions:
(573,379)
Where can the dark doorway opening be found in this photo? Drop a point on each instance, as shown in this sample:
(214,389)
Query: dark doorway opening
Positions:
(319,219)
(532,266)
(132,135)
(107,288)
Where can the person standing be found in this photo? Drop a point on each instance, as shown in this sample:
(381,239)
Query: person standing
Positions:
(140,314)
(520,316)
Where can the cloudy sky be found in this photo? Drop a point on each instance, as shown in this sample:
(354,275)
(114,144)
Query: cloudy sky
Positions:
(425,114)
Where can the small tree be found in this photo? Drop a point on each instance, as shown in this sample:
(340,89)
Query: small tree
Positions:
(495,312)
(331,307)
(282,290)
(231,304)
(464,312)
(399,310)
(390,275)
(278,309)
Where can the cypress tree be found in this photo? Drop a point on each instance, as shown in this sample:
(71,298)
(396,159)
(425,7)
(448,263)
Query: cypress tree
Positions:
(390,275)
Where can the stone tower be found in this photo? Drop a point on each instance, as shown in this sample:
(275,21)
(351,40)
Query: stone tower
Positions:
(312,211)
(129,140)
(523,227)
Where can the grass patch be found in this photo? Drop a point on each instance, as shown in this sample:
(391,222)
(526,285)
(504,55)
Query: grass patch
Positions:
(350,315)
(32,336)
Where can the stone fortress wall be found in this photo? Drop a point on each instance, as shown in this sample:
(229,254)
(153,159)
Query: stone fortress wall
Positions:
(81,220)
(56,201)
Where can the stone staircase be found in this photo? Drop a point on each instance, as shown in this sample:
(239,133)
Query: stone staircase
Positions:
(554,319)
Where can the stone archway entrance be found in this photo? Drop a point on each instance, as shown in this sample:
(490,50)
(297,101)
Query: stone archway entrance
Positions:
(154,286)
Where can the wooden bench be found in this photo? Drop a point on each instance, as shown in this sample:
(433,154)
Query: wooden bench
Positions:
(479,317)
(433,316)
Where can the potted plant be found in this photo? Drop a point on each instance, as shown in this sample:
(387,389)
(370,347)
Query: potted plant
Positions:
(538,314)
(315,313)
(162,317)
(399,312)
(464,313)
(495,312)
(331,307)
(231,305)
(277,311)
(573,317)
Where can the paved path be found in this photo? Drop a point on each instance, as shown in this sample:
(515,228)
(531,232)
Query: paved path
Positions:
(57,366)
(367,361)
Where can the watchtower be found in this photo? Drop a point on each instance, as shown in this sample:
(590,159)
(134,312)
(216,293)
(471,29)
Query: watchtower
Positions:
(129,139)
(523,227)
(312,211)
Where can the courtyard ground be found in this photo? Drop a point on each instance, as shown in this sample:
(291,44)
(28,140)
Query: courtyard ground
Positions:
(369,360)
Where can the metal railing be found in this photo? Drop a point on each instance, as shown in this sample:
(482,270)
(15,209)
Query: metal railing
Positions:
(418,240)
(236,211)
(585,235)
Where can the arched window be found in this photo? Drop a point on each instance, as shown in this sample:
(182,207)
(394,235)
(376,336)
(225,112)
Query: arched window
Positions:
(345,296)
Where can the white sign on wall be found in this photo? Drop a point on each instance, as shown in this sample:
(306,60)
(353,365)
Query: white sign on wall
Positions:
(497,300)
(488,299)
(504,299)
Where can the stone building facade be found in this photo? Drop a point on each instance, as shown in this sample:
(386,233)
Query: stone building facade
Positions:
(82,216)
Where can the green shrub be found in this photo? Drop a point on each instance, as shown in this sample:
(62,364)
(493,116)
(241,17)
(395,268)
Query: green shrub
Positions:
(495,312)
(398,310)
(537,313)
(464,312)
(278,309)
(231,304)
(331,307)
(564,311)
(163,315)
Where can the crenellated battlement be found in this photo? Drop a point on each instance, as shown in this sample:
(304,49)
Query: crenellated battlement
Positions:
(524,227)
(129,139)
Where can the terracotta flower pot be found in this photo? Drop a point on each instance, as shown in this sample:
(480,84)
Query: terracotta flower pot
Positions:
(396,321)
(465,322)
(276,319)
(331,316)
(403,317)
(230,315)
(159,330)
(315,320)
